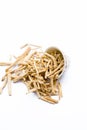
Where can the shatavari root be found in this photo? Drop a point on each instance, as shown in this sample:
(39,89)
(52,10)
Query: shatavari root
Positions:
(38,70)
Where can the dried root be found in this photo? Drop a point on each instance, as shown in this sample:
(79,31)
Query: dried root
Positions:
(38,70)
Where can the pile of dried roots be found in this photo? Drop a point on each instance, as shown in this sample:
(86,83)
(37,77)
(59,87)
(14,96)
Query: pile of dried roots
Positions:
(38,70)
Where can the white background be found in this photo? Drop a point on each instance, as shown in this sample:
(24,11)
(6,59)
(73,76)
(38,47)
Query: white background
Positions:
(61,23)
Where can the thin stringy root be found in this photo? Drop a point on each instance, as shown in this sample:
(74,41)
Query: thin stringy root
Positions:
(38,70)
